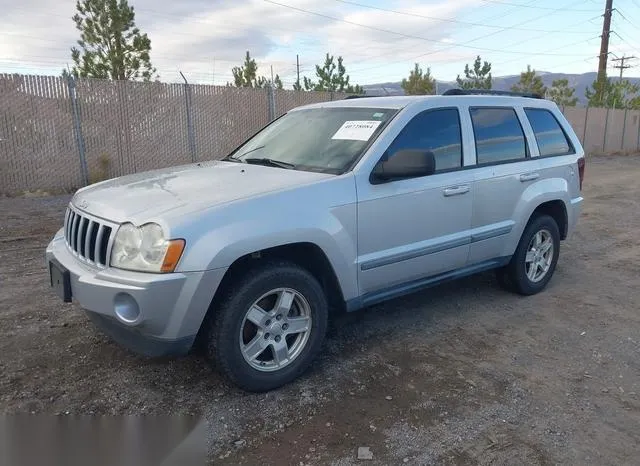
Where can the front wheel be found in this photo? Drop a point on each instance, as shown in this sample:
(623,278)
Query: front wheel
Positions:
(269,326)
(535,258)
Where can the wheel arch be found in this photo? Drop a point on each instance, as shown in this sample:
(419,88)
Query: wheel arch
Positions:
(307,255)
(556,209)
(549,196)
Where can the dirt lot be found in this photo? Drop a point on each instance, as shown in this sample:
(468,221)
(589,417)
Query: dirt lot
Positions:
(460,374)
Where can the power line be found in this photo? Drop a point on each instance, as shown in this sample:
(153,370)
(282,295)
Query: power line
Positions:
(207,60)
(194,19)
(396,52)
(470,41)
(624,40)
(554,48)
(617,10)
(520,5)
(455,21)
(411,36)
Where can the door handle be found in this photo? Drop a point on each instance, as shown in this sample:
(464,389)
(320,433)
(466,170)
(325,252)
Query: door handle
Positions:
(455,190)
(529,177)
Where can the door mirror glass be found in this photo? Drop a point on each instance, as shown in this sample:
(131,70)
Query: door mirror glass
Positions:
(405,163)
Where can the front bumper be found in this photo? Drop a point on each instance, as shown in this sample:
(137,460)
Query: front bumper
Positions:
(150,314)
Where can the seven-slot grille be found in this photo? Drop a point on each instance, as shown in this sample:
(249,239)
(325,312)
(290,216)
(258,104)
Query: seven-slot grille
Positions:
(88,238)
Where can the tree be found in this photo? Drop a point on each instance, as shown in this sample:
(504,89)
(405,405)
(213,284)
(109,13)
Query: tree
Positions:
(478,78)
(419,83)
(331,80)
(111,46)
(247,75)
(530,82)
(614,94)
(277,82)
(562,94)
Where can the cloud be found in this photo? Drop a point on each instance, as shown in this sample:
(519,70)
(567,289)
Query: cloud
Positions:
(203,38)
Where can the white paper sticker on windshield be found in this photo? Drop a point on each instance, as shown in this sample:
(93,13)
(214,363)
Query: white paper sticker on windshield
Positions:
(359,130)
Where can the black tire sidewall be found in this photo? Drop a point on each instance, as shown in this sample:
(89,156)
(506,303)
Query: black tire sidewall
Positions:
(517,267)
(224,346)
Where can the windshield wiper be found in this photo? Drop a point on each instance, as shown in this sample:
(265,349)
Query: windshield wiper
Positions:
(270,162)
(236,158)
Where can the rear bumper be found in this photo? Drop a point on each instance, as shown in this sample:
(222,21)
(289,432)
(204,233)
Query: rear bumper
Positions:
(151,314)
(574,215)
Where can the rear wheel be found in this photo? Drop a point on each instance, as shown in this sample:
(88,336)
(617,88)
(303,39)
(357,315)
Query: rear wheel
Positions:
(535,258)
(269,326)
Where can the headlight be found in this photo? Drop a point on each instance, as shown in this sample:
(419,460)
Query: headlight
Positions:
(145,249)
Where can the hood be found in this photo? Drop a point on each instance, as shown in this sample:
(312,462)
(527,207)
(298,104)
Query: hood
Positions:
(192,187)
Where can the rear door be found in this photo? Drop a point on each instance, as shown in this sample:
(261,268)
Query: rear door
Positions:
(504,169)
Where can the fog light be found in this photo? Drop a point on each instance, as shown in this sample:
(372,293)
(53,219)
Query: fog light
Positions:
(126,308)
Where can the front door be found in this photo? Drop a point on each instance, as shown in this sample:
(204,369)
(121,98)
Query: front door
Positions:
(415,228)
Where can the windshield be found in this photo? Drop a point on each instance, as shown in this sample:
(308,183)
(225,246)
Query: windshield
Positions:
(318,139)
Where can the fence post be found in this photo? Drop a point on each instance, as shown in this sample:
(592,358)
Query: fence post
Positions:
(638,142)
(606,129)
(84,171)
(191,137)
(271,102)
(624,129)
(584,131)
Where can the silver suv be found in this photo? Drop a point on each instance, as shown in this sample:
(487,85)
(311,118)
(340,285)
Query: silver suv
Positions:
(338,205)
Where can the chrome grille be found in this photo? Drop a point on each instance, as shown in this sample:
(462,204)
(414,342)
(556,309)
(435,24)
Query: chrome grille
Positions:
(89,238)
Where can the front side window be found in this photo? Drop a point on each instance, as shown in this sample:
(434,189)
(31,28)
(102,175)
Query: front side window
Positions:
(499,136)
(437,131)
(549,135)
(318,139)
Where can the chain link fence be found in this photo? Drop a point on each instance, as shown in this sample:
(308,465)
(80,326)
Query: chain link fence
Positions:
(58,134)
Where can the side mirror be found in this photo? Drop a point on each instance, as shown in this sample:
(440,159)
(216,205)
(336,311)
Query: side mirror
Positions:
(407,163)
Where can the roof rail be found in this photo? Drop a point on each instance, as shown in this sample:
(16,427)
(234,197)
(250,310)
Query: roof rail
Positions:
(531,95)
(358,96)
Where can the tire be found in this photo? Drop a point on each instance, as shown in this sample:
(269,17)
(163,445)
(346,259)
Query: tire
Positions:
(514,276)
(231,335)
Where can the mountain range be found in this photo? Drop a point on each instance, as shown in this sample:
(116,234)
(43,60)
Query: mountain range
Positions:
(502,83)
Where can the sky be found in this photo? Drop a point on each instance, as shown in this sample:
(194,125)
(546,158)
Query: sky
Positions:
(379,40)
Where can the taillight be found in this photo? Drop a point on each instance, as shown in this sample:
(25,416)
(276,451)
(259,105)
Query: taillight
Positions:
(581,163)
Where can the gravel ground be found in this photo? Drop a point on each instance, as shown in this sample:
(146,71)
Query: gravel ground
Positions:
(460,374)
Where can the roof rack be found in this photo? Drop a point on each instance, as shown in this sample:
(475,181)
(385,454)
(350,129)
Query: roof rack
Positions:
(358,96)
(491,92)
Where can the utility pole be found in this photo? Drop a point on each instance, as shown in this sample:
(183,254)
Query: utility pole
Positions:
(604,52)
(298,69)
(272,83)
(622,66)
(604,41)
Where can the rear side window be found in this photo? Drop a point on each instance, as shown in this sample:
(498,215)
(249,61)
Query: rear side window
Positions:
(499,136)
(549,135)
(437,131)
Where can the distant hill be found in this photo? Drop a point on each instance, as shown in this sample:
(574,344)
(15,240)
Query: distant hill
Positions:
(502,83)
